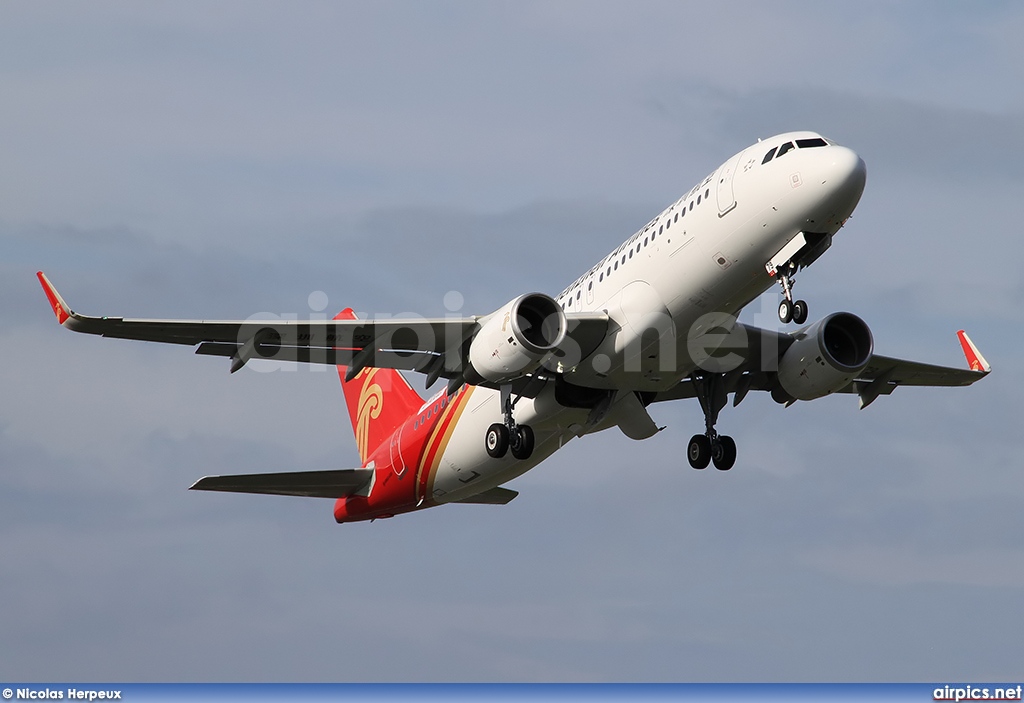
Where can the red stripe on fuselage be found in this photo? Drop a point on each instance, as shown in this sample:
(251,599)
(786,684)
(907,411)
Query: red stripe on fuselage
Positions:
(437,443)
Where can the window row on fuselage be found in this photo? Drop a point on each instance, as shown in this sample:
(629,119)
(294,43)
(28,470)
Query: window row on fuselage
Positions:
(571,297)
(430,411)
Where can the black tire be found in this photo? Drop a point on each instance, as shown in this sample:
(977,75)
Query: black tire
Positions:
(724,453)
(496,440)
(785,311)
(523,448)
(800,312)
(698,451)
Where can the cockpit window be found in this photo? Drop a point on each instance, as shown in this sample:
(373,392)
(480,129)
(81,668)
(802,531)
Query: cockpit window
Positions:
(785,147)
(769,155)
(808,143)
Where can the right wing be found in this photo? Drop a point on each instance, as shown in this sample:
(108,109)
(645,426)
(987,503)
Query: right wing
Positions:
(436,347)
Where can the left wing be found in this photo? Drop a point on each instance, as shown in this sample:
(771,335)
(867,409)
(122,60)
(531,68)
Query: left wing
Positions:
(881,376)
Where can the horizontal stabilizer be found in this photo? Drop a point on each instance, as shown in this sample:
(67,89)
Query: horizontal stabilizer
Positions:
(493,496)
(314,484)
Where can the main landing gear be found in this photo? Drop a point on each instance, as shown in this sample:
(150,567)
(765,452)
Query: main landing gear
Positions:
(502,436)
(790,311)
(709,447)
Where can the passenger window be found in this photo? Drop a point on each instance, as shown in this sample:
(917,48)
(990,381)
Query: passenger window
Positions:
(616,267)
(785,147)
(600,278)
(677,217)
(691,205)
(630,254)
(698,200)
(645,241)
(578,293)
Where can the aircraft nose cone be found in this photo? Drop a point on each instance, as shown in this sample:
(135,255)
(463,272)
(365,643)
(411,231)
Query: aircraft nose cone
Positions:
(842,175)
(845,172)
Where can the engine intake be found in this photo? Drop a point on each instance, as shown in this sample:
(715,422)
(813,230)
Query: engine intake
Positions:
(826,357)
(514,339)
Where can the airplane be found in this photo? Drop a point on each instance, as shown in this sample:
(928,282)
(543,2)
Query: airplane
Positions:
(655,320)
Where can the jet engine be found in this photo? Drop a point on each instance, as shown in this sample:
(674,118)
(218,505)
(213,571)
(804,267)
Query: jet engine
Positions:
(515,338)
(825,357)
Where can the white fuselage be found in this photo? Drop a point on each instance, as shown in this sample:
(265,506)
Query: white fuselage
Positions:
(705,253)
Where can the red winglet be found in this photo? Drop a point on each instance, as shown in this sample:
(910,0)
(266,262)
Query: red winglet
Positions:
(60,308)
(974,358)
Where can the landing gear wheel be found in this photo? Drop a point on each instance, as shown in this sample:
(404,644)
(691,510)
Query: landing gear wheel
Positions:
(800,312)
(698,451)
(496,440)
(786,312)
(522,444)
(723,453)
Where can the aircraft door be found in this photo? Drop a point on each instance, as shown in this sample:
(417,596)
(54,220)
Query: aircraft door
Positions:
(397,460)
(725,191)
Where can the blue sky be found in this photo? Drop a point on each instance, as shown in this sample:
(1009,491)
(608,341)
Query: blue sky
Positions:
(221,159)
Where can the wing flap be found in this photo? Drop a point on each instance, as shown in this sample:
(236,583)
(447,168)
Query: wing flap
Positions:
(337,483)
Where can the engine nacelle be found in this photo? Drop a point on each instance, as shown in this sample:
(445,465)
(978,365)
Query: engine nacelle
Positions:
(829,354)
(515,338)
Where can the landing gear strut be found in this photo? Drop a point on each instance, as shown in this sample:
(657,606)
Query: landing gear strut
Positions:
(502,436)
(790,311)
(709,447)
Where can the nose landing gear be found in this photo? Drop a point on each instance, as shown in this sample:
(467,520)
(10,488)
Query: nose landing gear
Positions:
(790,311)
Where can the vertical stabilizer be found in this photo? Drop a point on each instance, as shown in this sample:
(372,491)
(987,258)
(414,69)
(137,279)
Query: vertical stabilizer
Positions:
(379,400)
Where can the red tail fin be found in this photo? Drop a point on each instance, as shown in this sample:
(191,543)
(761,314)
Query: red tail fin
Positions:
(379,400)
